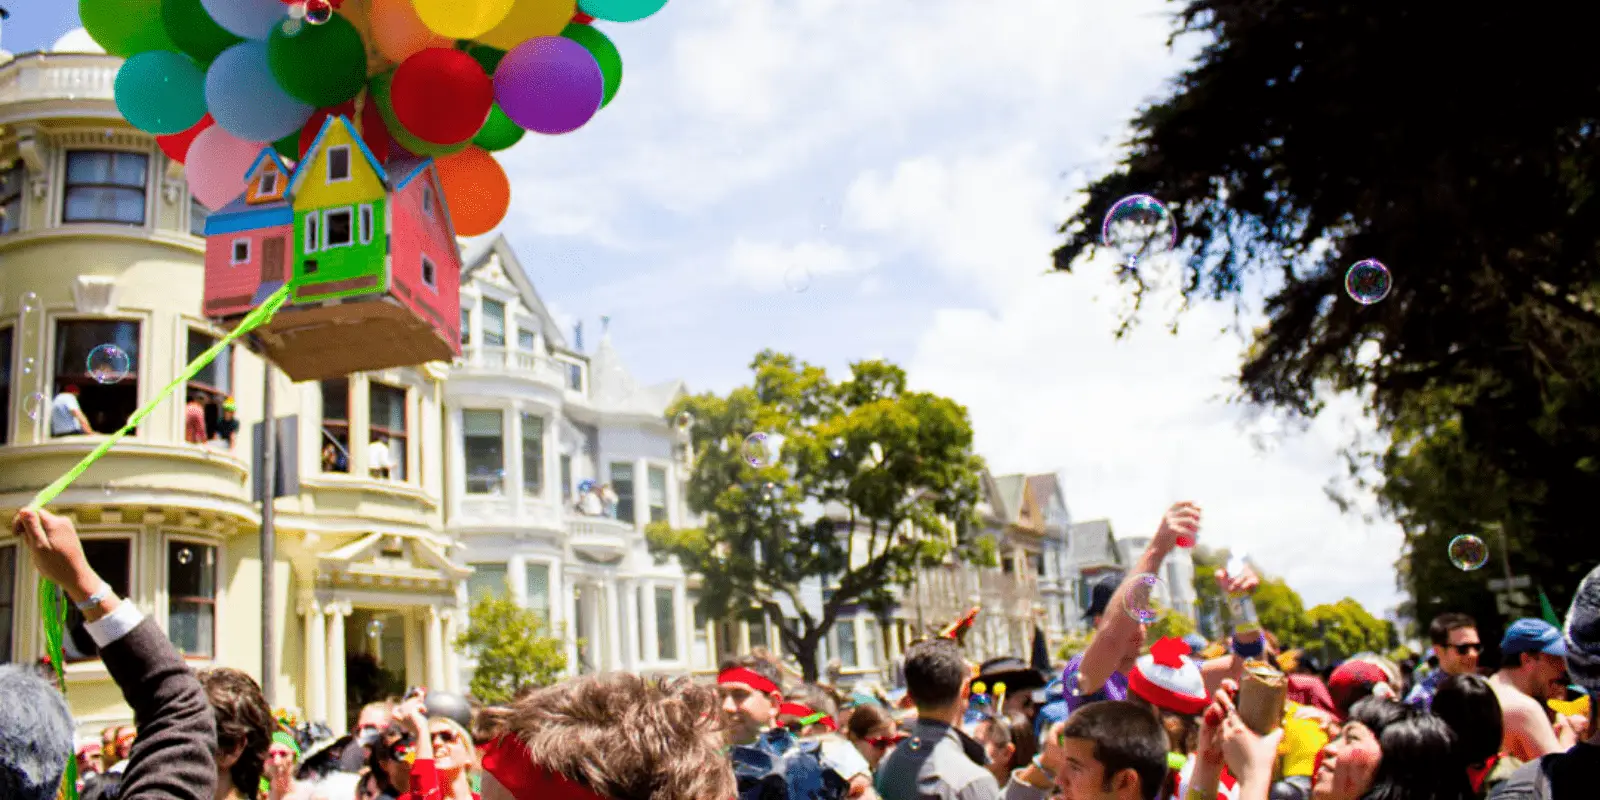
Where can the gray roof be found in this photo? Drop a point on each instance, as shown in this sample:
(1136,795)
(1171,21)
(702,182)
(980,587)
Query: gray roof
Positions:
(479,257)
(614,387)
(1010,488)
(1091,543)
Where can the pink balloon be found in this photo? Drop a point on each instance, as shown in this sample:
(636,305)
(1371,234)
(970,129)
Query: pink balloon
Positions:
(216,166)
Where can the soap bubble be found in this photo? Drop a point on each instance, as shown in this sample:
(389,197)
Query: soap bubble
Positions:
(318,12)
(1143,600)
(1468,552)
(770,492)
(108,363)
(1367,282)
(375,628)
(35,404)
(1139,226)
(185,555)
(836,450)
(30,301)
(27,365)
(760,450)
(798,279)
(298,10)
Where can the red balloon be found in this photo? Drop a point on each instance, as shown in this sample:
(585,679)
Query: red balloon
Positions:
(313,126)
(176,145)
(582,18)
(442,96)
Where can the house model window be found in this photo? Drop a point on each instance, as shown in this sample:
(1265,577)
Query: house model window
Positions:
(339,163)
(430,274)
(241,251)
(366,224)
(312,243)
(427,200)
(339,230)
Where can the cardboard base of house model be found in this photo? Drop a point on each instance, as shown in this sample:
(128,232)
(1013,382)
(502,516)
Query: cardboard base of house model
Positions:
(368,250)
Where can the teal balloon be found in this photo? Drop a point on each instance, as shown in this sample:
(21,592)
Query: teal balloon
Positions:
(194,31)
(161,92)
(323,65)
(600,46)
(620,10)
(498,131)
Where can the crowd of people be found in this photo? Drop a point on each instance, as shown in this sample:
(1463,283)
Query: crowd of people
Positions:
(1191,720)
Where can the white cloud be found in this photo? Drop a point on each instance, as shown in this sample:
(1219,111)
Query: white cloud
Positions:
(773,267)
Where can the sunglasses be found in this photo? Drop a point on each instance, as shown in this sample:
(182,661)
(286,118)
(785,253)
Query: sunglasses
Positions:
(1463,649)
(445,736)
(886,742)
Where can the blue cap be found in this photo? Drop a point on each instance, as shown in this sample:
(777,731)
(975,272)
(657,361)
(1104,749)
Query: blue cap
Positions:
(1196,642)
(1529,635)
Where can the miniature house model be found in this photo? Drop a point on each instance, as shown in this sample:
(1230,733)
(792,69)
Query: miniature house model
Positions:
(368,249)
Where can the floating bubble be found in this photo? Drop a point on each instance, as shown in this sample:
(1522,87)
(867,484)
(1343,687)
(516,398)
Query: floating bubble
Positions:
(1468,552)
(318,12)
(108,490)
(108,363)
(27,365)
(685,421)
(185,555)
(298,10)
(30,301)
(770,492)
(1367,282)
(1143,597)
(760,450)
(836,450)
(797,278)
(1139,226)
(35,404)
(292,27)
(375,628)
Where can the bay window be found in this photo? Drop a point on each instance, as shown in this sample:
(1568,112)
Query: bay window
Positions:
(622,484)
(105,186)
(106,405)
(482,444)
(192,598)
(486,581)
(536,582)
(532,455)
(214,382)
(336,425)
(112,560)
(494,323)
(388,431)
(658,494)
(666,624)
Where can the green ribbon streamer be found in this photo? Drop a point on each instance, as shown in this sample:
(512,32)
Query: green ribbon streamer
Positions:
(51,607)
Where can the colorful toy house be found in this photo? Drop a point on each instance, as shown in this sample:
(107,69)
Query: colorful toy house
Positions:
(368,249)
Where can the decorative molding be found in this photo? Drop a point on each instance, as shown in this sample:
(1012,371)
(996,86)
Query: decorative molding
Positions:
(95,294)
(343,608)
(308,605)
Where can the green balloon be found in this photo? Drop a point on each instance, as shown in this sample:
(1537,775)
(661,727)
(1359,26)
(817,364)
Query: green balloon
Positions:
(498,131)
(125,27)
(380,92)
(486,56)
(323,65)
(599,46)
(289,146)
(194,32)
(161,92)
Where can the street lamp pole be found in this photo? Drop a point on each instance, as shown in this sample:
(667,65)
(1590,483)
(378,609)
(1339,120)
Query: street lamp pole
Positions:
(269,491)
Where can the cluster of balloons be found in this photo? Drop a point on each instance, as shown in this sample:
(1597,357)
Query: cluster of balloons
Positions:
(455,80)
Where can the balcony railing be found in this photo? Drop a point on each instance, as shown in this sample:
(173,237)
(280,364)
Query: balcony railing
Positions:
(600,538)
(511,361)
(58,76)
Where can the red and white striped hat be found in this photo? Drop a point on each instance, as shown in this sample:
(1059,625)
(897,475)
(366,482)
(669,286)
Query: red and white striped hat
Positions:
(1167,678)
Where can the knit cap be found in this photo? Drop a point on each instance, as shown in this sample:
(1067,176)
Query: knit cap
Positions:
(1167,678)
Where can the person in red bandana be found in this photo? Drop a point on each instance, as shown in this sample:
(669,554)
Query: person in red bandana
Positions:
(751,696)
(610,737)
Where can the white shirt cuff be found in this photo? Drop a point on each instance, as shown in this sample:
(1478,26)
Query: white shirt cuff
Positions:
(115,625)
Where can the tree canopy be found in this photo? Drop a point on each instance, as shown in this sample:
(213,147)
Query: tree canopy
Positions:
(513,649)
(860,483)
(1331,631)
(1307,136)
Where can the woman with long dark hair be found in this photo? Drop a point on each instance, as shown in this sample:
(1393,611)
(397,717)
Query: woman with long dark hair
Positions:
(1467,703)
(1387,750)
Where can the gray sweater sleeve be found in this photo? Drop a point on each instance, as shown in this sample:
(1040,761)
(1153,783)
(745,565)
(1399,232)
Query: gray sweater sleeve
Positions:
(172,758)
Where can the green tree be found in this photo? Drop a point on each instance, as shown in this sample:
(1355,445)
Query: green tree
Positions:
(893,468)
(1342,629)
(1168,623)
(513,649)
(1481,365)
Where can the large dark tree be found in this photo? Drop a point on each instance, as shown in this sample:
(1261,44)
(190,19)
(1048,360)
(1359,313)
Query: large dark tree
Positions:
(1457,145)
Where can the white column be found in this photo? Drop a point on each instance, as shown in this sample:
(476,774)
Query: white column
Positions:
(336,611)
(513,428)
(552,459)
(647,593)
(744,637)
(452,665)
(685,623)
(517,576)
(570,611)
(454,469)
(434,657)
(613,618)
(316,674)
(627,610)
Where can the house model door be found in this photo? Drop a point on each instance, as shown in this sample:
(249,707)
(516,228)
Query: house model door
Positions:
(272,260)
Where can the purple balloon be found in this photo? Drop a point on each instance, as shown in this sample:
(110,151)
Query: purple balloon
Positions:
(549,84)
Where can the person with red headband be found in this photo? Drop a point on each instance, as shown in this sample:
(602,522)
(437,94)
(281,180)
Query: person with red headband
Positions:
(608,737)
(751,696)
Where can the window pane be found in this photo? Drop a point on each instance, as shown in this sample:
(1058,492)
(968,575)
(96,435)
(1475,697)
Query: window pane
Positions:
(758,629)
(387,448)
(388,407)
(336,400)
(6,339)
(666,625)
(494,323)
(487,580)
(217,376)
(88,167)
(575,377)
(482,433)
(105,187)
(847,642)
(566,478)
(338,232)
(658,494)
(622,484)
(538,589)
(532,454)
(8,600)
(110,559)
(106,405)
(191,597)
(466,326)
(525,340)
(871,654)
(336,425)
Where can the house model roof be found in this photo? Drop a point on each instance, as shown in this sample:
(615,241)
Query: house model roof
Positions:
(316,146)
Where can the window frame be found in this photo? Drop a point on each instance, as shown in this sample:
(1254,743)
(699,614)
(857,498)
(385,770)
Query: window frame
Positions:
(349,164)
(262,189)
(135,372)
(670,639)
(631,499)
(233,256)
(522,432)
(532,343)
(487,335)
(67,186)
(127,537)
(337,423)
(9,358)
(528,567)
(497,488)
(197,222)
(327,227)
(312,240)
(428,201)
(215,395)
(430,273)
(8,223)
(365,224)
(181,540)
(650,500)
(503,567)
(402,461)
(8,602)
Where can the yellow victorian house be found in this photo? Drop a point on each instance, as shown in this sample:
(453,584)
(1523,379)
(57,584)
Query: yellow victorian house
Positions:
(99,245)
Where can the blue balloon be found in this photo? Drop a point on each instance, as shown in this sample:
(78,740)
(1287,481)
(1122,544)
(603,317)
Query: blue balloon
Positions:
(161,92)
(620,10)
(249,19)
(245,100)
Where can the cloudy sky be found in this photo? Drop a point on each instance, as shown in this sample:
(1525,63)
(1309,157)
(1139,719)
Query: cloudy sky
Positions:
(904,166)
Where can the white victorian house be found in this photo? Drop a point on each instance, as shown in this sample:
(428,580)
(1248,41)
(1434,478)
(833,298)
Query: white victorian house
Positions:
(531,422)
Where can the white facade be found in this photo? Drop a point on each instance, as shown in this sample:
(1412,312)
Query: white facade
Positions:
(528,421)
(1177,575)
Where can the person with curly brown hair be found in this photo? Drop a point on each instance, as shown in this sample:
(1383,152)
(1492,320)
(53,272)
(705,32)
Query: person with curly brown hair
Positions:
(244,731)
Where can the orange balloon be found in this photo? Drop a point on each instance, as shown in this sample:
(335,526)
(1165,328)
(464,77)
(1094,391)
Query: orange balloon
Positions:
(399,32)
(477,190)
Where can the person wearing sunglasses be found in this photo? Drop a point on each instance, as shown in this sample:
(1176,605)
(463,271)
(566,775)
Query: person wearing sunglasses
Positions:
(1456,643)
(443,756)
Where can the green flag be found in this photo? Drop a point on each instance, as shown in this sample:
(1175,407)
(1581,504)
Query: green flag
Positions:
(1548,610)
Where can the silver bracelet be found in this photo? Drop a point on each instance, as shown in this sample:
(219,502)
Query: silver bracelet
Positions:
(95,599)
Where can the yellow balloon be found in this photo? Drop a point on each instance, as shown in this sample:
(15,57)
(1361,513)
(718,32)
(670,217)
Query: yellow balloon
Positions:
(461,19)
(528,19)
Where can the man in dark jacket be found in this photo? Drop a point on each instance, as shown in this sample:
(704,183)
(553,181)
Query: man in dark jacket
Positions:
(172,758)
